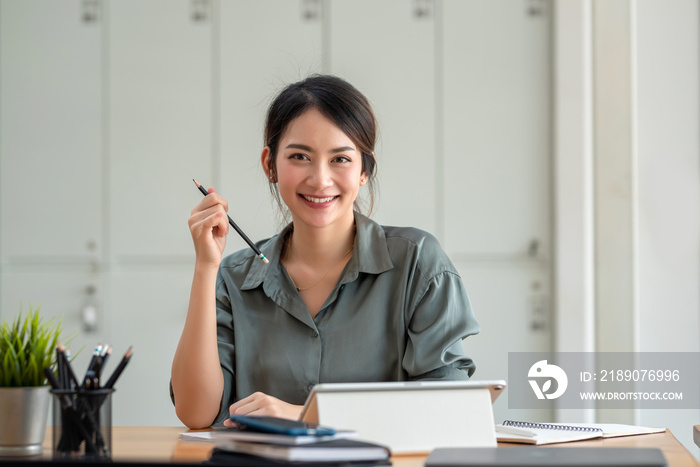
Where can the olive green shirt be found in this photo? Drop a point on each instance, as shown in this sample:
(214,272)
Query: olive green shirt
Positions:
(398,312)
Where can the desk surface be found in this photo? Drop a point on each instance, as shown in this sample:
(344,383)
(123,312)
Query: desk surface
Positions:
(162,444)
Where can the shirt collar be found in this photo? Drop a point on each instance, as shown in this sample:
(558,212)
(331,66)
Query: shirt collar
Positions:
(371,255)
(259,271)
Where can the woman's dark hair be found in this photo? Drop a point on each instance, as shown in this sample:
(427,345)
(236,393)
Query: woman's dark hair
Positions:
(338,101)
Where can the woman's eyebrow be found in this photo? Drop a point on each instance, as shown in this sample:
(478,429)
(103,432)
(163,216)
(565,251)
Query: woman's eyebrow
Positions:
(342,149)
(304,147)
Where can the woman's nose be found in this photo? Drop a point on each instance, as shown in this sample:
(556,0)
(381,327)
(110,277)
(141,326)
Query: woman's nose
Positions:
(320,176)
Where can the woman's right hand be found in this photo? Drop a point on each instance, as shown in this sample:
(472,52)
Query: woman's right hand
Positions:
(209,226)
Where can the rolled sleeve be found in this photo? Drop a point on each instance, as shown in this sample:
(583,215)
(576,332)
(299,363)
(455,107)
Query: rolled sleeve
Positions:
(441,319)
(225,339)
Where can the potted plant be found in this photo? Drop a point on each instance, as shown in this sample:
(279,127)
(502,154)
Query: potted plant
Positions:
(27,346)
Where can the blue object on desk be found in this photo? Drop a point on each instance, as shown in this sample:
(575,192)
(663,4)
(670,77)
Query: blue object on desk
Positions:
(281,426)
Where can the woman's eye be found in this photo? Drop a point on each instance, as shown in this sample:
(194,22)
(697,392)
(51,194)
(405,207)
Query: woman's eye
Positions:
(298,157)
(341,159)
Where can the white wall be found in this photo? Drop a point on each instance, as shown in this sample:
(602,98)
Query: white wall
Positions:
(573,186)
(668,188)
(628,70)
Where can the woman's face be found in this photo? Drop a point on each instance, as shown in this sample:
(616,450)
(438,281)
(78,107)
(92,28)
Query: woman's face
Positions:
(318,171)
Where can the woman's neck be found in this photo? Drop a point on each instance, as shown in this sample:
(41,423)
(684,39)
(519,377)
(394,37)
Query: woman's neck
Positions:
(317,247)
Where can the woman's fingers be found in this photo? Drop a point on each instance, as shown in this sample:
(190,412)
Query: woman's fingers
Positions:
(209,226)
(262,404)
(212,199)
(210,213)
(248,404)
(210,218)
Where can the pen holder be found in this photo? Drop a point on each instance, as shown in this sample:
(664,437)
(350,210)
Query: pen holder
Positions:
(82,422)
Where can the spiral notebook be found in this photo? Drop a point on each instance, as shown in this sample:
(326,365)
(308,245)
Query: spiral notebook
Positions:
(549,433)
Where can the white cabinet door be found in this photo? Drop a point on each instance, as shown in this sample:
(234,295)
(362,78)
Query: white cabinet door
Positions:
(148,305)
(511,302)
(63,294)
(160,118)
(50,131)
(264,45)
(496,83)
(496,142)
(387,50)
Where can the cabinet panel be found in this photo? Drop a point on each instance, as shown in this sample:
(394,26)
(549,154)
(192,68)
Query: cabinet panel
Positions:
(264,45)
(496,126)
(517,294)
(160,123)
(50,131)
(387,50)
(148,309)
(62,294)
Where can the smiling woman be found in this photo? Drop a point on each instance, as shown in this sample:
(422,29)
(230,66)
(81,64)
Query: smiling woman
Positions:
(343,298)
(342,105)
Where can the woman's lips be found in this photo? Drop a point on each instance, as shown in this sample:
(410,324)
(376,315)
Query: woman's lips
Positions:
(317,200)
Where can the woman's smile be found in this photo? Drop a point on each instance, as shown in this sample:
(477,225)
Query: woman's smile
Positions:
(318,200)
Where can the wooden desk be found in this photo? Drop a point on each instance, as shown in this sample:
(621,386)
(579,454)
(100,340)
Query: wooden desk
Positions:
(162,444)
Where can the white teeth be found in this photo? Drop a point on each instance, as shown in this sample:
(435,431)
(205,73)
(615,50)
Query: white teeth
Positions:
(318,200)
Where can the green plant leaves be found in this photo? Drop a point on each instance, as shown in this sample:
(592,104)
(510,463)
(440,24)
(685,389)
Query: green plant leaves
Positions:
(27,346)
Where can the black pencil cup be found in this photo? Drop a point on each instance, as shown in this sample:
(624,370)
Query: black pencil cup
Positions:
(82,422)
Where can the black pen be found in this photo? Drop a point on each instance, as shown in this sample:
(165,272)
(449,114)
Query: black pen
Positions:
(233,224)
(51,378)
(118,371)
(90,372)
(63,380)
(67,367)
(106,352)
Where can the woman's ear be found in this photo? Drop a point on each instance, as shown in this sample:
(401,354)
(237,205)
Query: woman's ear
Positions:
(367,165)
(265,160)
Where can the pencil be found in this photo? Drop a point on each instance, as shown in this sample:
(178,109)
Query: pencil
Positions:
(103,361)
(99,365)
(67,367)
(62,375)
(90,372)
(51,378)
(233,224)
(118,371)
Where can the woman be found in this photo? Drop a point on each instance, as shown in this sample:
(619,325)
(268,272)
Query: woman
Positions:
(343,298)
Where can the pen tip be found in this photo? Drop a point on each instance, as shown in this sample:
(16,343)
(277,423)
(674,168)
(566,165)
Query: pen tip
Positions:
(196,182)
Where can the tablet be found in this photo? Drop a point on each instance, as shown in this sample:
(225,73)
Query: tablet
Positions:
(495,388)
(412,416)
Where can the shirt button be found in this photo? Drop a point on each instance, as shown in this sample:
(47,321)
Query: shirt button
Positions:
(310,386)
(315,334)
